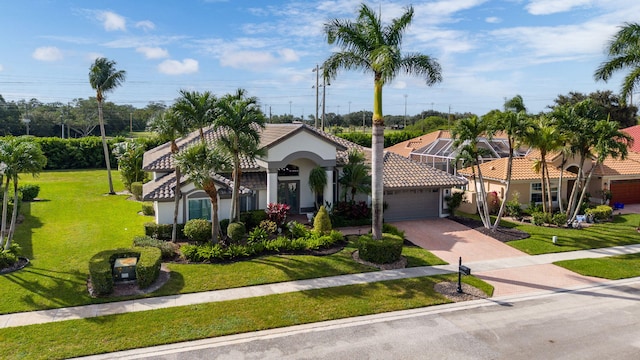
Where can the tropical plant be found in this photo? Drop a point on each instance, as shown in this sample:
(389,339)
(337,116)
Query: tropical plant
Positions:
(103,78)
(317,183)
(277,213)
(172,126)
(355,175)
(195,109)
(366,44)
(19,155)
(200,164)
(241,119)
(129,154)
(623,52)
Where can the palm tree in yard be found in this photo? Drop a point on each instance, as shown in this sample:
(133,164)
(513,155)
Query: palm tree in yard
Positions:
(355,175)
(201,163)
(103,78)
(196,109)
(624,53)
(317,183)
(171,127)
(368,45)
(19,156)
(241,120)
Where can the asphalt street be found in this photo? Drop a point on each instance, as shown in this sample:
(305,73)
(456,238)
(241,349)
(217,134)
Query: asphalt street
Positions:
(595,322)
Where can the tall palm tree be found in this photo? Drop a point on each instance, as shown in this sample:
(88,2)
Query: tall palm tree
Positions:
(466,133)
(317,183)
(170,126)
(241,119)
(201,163)
(355,175)
(368,45)
(196,109)
(624,53)
(20,155)
(103,78)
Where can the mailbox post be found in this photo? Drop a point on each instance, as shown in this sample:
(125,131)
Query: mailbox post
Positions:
(462,270)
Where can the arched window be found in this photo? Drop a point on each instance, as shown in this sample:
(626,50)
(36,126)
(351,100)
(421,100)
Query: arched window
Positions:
(289,170)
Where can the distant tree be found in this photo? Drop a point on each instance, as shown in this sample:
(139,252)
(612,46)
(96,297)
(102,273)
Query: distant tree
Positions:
(104,78)
(606,103)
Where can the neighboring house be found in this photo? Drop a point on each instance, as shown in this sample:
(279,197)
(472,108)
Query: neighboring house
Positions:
(621,177)
(437,149)
(634,131)
(411,190)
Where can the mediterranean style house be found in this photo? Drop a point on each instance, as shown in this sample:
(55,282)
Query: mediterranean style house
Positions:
(411,190)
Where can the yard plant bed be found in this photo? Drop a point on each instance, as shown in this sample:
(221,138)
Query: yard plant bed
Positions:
(502,233)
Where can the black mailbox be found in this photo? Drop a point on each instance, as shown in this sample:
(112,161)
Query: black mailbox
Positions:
(465,270)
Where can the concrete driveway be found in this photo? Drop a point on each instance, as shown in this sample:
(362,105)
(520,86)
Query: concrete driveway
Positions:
(449,240)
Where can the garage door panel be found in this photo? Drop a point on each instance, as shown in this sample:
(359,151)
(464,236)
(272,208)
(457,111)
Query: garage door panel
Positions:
(625,191)
(412,204)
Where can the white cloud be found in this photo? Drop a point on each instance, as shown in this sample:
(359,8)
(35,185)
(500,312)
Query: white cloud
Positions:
(153,52)
(92,56)
(493,20)
(47,53)
(175,67)
(547,7)
(145,25)
(112,21)
(288,55)
(1,67)
(257,60)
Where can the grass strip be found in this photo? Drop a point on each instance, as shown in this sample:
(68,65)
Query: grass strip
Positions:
(612,268)
(105,334)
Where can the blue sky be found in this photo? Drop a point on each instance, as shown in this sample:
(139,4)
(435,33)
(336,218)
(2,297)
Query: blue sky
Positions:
(488,50)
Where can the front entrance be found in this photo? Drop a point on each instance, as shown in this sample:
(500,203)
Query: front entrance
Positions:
(289,193)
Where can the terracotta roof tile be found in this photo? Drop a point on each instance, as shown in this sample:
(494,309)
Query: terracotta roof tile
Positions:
(634,131)
(521,169)
(612,167)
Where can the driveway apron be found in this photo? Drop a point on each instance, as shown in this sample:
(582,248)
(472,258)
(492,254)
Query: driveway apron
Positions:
(450,240)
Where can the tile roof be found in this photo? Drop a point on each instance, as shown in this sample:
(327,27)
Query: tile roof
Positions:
(398,171)
(521,169)
(634,131)
(613,167)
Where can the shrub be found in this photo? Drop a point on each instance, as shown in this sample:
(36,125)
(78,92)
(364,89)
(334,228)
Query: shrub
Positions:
(224,224)
(352,210)
(454,201)
(278,213)
(162,231)
(167,249)
(540,218)
(147,210)
(388,228)
(198,230)
(101,267)
(29,191)
(297,230)
(7,259)
(256,235)
(322,223)
(600,212)
(136,190)
(512,207)
(559,219)
(251,219)
(236,231)
(384,251)
(493,201)
(269,226)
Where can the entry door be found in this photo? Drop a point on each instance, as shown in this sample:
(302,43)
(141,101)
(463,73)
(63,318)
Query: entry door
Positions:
(289,193)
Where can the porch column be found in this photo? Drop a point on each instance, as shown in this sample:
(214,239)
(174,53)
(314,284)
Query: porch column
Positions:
(328,190)
(272,186)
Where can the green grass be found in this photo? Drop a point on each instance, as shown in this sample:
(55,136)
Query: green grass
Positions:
(142,329)
(74,220)
(621,231)
(612,268)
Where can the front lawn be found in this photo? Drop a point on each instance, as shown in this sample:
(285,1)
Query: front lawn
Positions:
(158,327)
(612,268)
(75,219)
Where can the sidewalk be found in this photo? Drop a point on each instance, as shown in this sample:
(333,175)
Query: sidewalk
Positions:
(480,268)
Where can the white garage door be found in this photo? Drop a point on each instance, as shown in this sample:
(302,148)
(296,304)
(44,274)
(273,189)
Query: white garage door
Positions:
(411,204)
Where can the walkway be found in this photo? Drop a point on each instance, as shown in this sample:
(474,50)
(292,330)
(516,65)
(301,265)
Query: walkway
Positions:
(517,264)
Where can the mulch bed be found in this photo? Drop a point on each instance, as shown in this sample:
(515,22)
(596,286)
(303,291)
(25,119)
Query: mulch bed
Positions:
(18,265)
(501,234)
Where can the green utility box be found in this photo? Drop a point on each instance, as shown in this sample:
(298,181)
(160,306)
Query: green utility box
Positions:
(125,269)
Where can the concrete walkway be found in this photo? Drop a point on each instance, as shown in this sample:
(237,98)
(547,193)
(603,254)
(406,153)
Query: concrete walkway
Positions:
(487,268)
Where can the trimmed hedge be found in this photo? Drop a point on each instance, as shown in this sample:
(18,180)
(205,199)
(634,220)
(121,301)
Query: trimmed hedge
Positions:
(101,267)
(600,212)
(29,191)
(163,231)
(168,249)
(198,230)
(384,251)
(236,231)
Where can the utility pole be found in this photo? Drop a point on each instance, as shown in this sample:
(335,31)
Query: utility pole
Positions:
(290,113)
(363,125)
(405,110)
(130,122)
(317,70)
(324,97)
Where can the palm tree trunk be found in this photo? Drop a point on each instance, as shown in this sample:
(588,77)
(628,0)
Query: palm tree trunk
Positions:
(5,205)
(176,206)
(14,214)
(560,203)
(377,160)
(571,207)
(506,191)
(584,191)
(210,189)
(549,194)
(235,213)
(484,216)
(105,148)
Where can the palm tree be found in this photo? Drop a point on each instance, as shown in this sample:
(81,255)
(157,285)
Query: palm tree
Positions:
(170,126)
(466,133)
(20,155)
(369,46)
(201,163)
(196,109)
(624,53)
(317,182)
(103,78)
(355,175)
(240,118)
